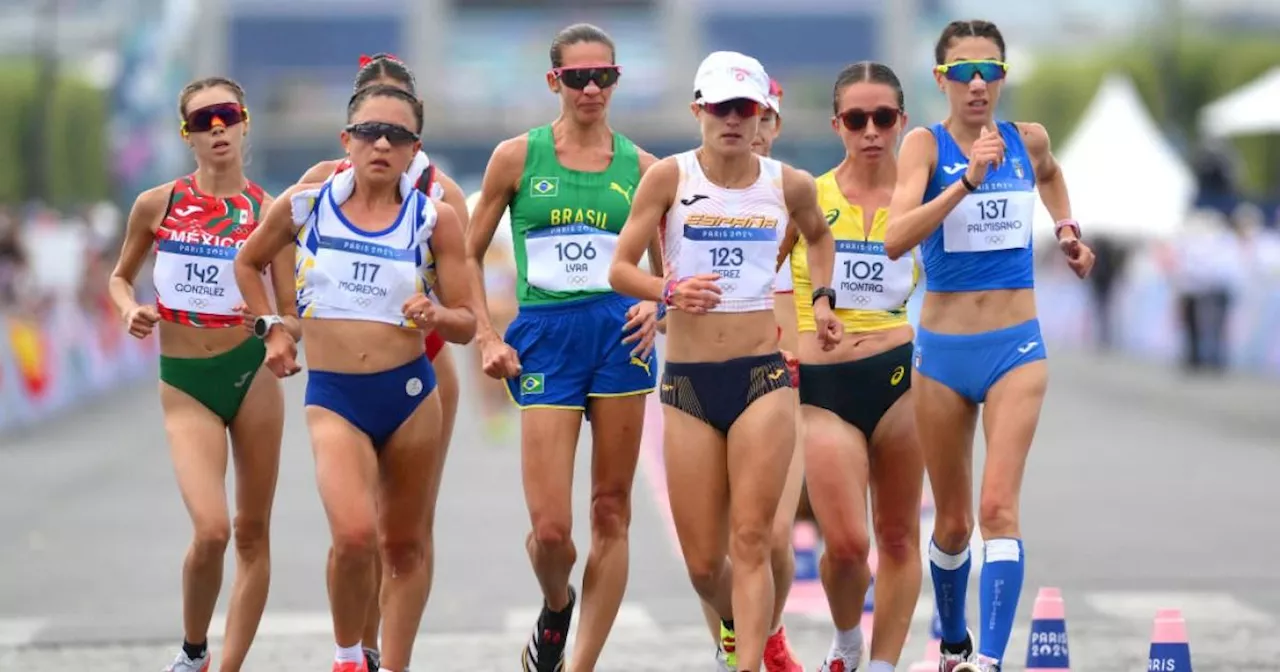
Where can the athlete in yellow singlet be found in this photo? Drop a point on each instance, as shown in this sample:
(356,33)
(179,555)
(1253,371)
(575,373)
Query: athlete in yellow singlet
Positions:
(859,428)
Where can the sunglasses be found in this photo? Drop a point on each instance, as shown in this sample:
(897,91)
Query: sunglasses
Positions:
(372,131)
(964,71)
(203,120)
(882,117)
(744,107)
(604,76)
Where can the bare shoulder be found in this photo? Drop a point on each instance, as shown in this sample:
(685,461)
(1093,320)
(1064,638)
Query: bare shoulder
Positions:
(646,159)
(321,171)
(798,185)
(1035,137)
(153,200)
(511,153)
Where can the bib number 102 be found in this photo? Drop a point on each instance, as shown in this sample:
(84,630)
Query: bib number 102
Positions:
(575,252)
(726,256)
(864,270)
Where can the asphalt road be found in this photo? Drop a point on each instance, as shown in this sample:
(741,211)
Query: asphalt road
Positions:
(1145,491)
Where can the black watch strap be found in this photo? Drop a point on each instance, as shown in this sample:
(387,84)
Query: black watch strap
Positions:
(971,187)
(827,292)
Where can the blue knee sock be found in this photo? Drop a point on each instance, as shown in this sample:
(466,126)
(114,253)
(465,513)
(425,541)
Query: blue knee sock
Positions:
(950,582)
(999,588)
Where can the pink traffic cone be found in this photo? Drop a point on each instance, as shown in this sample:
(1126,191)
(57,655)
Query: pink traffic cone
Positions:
(1047,642)
(1170,651)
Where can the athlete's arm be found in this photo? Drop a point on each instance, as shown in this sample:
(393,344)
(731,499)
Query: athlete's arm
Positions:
(801,193)
(653,197)
(656,265)
(282,281)
(496,190)
(911,220)
(266,245)
(454,320)
(788,243)
(456,199)
(139,235)
(319,172)
(1049,179)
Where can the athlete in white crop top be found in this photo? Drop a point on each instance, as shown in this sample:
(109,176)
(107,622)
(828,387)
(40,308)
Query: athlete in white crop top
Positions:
(369,247)
(725,209)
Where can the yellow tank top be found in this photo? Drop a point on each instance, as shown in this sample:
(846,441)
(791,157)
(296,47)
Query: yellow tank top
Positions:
(871,290)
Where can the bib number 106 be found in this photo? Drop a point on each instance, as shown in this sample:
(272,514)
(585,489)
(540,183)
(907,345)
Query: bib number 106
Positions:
(726,256)
(575,252)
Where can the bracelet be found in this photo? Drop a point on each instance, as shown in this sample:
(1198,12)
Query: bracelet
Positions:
(667,291)
(1057,228)
(827,292)
(969,186)
(662,312)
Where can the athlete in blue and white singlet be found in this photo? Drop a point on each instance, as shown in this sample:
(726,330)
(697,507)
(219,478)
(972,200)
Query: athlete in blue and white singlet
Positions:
(966,194)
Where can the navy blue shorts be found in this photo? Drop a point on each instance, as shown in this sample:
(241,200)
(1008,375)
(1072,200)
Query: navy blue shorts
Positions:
(374,403)
(570,352)
(971,363)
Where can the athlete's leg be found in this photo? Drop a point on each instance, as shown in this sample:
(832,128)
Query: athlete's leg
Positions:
(548,443)
(198,447)
(782,555)
(410,467)
(616,423)
(944,426)
(1009,421)
(761,443)
(897,477)
(836,456)
(347,475)
(256,433)
(698,492)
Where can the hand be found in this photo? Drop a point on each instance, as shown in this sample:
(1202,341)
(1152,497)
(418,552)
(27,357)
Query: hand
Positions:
(642,322)
(421,310)
(282,352)
(498,359)
(696,294)
(1079,257)
(141,320)
(830,329)
(987,152)
(248,317)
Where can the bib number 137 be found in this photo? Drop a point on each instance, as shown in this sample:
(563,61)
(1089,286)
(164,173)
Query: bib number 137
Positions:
(993,208)
(726,257)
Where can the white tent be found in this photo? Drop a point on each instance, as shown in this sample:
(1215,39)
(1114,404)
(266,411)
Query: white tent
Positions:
(1122,176)
(1252,108)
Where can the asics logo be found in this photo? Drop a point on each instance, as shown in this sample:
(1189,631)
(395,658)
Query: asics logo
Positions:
(898,373)
(626,193)
(693,199)
(1027,348)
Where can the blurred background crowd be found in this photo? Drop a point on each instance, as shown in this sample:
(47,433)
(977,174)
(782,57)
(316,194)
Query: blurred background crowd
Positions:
(1164,113)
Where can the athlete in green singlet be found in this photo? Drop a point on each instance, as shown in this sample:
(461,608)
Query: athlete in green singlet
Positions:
(576,348)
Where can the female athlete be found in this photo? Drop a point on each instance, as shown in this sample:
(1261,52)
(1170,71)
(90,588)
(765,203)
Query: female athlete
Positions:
(388,70)
(778,656)
(500,294)
(729,407)
(208,365)
(369,246)
(859,428)
(966,194)
(568,353)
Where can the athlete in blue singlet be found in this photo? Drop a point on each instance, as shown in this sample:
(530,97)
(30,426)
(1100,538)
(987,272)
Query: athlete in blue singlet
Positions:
(370,246)
(966,194)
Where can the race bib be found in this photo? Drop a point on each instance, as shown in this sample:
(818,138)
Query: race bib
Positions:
(366,278)
(197,277)
(569,258)
(985,222)
(744,258)
(866,279)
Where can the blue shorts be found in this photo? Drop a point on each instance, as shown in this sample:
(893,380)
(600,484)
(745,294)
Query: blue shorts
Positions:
(572,351)
(971,363)
(374,403)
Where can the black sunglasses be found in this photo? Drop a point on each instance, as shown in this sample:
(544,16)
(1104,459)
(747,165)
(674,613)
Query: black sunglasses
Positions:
(204,119)
(604,76)
(745,107)
(372,131)
(882,117)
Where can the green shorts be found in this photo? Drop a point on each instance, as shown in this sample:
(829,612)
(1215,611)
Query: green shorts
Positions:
(219,382)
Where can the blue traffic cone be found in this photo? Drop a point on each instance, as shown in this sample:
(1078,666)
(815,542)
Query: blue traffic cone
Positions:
(1047,642)
(1170,651)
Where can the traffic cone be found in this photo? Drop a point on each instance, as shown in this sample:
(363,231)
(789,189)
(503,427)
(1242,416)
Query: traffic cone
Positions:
(932,650)
(1047,642)
(1170,651)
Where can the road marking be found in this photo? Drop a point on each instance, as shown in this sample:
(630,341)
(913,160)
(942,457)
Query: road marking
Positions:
(20,631)
(1217,607)
(281,624)
(632,618)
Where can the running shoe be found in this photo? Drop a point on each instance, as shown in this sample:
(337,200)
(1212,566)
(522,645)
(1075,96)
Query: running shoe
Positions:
(545,650)
(957,658)
(359,666)
(728,647)
(979,664)
(778,656)
(372,659)
(184,663)
(835,663)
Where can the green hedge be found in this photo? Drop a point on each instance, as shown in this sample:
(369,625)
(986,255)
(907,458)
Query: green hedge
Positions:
(1206,67)
(74,138)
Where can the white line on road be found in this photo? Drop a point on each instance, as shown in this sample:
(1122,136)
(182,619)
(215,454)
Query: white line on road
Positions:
(20,631)
(632,618)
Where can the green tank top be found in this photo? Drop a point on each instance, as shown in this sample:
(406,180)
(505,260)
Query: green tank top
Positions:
(565,223)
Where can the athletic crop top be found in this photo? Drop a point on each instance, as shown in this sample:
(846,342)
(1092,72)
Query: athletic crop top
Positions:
(346,273)
(985,242)
(196,246)
(871,290)
(732,232)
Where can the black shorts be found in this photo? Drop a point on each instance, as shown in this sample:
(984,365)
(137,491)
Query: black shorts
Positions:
(717,393)
(861,391)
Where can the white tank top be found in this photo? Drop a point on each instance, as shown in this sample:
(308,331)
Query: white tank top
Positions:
(732,232)
(784,282)
(345,273)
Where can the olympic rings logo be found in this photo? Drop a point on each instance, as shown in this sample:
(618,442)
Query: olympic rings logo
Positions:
(578,280)
(859,299)
(362,301)
(198,302)
(995,239)
(728,288)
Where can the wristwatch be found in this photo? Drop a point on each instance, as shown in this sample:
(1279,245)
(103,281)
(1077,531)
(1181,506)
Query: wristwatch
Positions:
(827,292)
(262,325)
